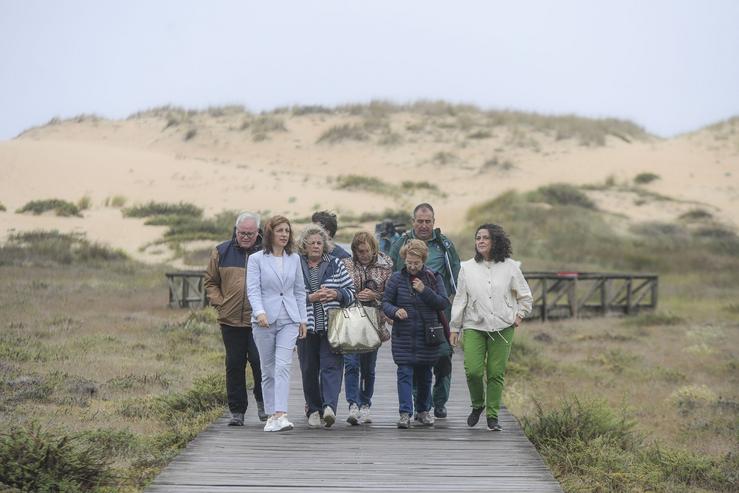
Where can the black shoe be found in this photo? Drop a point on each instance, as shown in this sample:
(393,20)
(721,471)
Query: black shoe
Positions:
(237,419)
(493,424)
(440,412)
(260,411)
(474,416)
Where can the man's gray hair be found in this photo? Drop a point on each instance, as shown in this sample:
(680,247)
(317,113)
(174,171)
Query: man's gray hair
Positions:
(247,215)
(310,230)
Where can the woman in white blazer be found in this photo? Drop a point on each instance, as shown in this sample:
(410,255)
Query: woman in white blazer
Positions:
(276,292)
(491,301)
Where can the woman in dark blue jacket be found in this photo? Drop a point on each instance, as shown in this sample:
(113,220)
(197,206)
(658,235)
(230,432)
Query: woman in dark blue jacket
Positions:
(413,297)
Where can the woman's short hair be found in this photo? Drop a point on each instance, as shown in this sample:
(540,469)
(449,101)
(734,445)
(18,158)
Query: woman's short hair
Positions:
(415,247)
(501,243)
(310,230)
(361,238)
(269,234)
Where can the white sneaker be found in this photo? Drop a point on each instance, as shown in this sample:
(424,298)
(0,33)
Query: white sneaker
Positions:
(270,424)
(329,417)
(283,424)
(314,420)
(353,418)
(364,415)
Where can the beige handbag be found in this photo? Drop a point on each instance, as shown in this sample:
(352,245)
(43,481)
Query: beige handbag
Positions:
(353,329)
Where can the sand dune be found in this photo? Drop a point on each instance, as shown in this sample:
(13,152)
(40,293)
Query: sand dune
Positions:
(227,164)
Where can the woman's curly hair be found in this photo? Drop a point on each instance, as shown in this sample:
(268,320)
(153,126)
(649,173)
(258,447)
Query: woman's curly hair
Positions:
(501,243)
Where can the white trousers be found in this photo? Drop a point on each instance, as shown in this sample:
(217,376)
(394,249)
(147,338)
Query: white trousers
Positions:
(275,344)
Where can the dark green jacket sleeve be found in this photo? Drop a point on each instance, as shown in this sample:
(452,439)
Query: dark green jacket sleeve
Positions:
(398,262)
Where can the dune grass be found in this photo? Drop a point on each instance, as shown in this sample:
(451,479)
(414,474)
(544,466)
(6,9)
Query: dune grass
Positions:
(58,206)
(2,207)
(163,209)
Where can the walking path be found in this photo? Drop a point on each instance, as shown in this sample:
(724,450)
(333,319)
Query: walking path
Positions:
(372,458)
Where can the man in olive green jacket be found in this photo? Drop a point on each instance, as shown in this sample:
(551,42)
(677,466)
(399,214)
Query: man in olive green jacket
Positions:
(443,259)
(225,284)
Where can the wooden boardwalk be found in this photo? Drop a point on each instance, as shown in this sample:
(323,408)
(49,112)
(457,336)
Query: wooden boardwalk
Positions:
(372,458)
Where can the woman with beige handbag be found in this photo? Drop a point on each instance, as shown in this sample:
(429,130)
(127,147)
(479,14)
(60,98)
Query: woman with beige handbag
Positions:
(370,269)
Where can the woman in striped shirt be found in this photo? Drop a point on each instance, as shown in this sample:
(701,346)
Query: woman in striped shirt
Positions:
(328,286)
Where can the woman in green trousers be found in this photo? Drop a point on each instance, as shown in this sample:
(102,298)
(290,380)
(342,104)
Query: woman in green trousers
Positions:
(491,301)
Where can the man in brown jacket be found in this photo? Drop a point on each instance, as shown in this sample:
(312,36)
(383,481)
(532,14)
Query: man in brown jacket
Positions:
(225,283)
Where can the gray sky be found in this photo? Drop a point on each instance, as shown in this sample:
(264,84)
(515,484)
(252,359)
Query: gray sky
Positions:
(669,65)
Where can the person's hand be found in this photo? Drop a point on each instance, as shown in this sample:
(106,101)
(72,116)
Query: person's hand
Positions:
(366,295)
(401,314)
(454,338)
(329,295)
(518,321)
(302,331)
(418,285)
(262,320)
(315,297)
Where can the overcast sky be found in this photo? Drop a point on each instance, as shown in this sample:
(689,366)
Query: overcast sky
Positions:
(669,65)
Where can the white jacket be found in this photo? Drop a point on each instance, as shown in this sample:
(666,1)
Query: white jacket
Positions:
(489,296)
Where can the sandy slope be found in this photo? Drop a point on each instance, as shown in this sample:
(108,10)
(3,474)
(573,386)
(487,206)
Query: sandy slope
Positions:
(222,167)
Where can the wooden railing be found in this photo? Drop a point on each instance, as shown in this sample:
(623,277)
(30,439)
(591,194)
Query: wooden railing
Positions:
(556,294)
(186,289)
(588,294)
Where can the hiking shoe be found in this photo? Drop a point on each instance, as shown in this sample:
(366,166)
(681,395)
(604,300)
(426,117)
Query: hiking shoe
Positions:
(260,411)
(329,417)
(282,424)
(474,416)
(440,412)
(493,424)
(425,418)
(314,420)
(404,421)
(364,415)
(237,419)
(353,418)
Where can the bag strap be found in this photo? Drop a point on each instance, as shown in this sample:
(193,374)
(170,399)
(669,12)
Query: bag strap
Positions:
(439,313)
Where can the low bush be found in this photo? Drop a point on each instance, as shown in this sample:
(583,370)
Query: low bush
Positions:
(2,207)
(340,133)
(52,247)
(696,215)
(497,164)
(163,209)
(59,206)
(190,134)
(32,459)
(364,183)
(562,194)
(644,178)
(84,203)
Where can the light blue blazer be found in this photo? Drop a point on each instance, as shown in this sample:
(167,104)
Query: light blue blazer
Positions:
(269,289)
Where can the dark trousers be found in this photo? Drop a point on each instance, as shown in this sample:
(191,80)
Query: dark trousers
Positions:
(240,348)
(322,372)
(410,376)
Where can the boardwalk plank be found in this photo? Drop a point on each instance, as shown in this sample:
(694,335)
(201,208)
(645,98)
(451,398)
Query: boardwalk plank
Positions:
(371,458)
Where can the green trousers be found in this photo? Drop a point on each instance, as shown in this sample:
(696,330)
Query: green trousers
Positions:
(485,358)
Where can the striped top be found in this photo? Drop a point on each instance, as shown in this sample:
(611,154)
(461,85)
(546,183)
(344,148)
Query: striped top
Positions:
(332,274)
(319,315)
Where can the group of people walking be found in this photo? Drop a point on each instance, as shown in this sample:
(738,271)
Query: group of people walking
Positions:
(274,290)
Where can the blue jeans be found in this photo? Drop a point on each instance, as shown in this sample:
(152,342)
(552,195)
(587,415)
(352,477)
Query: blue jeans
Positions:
(322,372)
(359,377)
(408,376)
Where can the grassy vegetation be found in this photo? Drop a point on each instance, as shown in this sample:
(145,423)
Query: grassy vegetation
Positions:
(163,209)
(498,164)
(59,206)
(2,207)
(644,178)
(341,133)
(100,384)
(54,248)
(378,186)
(561,194)
(117,201)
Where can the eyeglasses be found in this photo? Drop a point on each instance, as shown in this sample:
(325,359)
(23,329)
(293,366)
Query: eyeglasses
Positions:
(246,234)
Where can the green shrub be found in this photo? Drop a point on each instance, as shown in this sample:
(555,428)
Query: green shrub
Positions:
(654,319)
(310,110)
(497,164)
(696,215)
(340,133)
(117,201)
(364,183)
(480,134)
(562,194)
(443,157)
(420,185)
(2,207)
(207,394)
(190,134)
(60,207)
(163,209)
(32,459)
(644,178)
(52,247)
